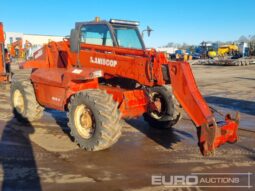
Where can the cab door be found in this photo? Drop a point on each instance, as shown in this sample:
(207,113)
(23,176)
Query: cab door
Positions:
(96,47)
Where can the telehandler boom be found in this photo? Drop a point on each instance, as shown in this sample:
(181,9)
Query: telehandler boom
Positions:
(103,73)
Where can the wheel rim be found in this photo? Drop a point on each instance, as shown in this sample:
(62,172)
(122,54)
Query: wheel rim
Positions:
(84,121)
(160,104)
(18,101)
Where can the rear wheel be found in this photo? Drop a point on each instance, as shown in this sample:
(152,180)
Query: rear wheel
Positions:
(24,103)
(94,120)
(164,112)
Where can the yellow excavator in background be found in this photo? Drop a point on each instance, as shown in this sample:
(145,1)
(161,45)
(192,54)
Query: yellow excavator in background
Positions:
(228,49)
(211,50)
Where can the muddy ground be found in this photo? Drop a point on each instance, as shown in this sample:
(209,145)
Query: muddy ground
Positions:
(42,156)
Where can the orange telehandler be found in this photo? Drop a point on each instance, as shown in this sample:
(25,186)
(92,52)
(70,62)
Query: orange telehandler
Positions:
(103,73)
(17,50)
(4,77)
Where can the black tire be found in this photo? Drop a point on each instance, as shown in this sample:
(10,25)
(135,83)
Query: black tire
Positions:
(171,110)
(105,117)
(32,110)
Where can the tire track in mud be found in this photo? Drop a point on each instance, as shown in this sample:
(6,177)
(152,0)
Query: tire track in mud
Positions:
(46,133)
(14,150)
(229,156)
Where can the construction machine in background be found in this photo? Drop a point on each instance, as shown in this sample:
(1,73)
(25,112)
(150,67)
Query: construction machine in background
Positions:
(4,77)
(103,73)
(17,50)
(206,50)
(228,50)
(231,55)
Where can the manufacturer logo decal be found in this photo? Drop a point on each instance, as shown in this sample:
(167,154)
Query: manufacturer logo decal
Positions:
(103,61)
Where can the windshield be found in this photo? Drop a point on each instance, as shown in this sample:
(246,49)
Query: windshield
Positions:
(128,37)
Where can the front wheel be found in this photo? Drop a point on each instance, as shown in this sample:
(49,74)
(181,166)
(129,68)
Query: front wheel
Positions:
(94,120)
(165,111)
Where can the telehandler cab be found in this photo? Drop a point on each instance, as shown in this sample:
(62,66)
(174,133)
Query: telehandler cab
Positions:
(103,73)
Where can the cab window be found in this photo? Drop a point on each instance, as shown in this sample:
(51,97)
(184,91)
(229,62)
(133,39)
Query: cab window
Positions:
(98,34)
(128,37)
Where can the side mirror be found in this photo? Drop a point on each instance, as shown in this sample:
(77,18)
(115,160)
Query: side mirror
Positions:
(149,30)
(74,41)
